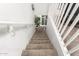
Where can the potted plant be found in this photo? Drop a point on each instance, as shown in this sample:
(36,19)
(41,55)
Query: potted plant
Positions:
(37,21)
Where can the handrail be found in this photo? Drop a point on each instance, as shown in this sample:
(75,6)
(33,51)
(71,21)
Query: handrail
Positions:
(66,22)
(13,22)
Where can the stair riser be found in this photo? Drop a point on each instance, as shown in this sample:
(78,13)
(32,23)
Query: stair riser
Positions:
(39,38)
(39,41)
(40,46)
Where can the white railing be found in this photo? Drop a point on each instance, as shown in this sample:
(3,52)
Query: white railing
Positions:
(66,21)
(61,25)
(62,11)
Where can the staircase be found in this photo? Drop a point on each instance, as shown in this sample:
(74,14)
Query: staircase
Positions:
(40,45)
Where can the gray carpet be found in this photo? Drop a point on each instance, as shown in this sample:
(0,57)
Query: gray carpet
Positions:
(40,45)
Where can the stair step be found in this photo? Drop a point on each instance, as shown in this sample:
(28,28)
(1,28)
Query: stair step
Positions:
(42,35)
(40,38)
(39,41)
(39,35)
(41,52)
(39,46)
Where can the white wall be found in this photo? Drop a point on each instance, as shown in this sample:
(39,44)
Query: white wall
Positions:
(41,8)
(16,12)
(52,36)
(53,33)
(12,44)
(53,10)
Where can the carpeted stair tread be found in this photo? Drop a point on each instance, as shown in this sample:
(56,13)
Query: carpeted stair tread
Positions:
(40,52)
(39,41)
(39,45)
